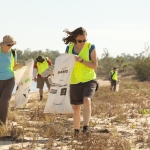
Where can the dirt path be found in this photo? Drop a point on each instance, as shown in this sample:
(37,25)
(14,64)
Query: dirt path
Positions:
(103,82)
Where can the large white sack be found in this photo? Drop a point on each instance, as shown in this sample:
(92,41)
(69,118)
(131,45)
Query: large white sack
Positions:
(23,78)
(117,86)
(48,71)
(58,99)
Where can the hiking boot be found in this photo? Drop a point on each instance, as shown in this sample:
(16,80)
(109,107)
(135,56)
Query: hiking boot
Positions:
(41,98)
(76,133)
(86,131)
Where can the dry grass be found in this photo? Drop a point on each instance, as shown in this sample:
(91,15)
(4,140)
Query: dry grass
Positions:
(120,121)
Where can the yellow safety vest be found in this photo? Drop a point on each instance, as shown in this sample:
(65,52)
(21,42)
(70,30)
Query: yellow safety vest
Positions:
(42,66)
(80,72)
(115,75)
(12,59)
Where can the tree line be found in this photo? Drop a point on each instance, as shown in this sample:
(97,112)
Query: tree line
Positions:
(137,65)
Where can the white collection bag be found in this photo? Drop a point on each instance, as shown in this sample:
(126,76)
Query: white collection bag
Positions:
(48,71)
(23,79)
(117,86)
(58,99)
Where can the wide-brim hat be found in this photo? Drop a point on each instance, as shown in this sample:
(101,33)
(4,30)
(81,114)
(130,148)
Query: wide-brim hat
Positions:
(40,58)
(7,39)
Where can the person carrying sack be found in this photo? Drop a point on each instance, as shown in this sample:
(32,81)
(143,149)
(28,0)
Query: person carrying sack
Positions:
(113,79)
(83,78)
(8,63)
(40,65)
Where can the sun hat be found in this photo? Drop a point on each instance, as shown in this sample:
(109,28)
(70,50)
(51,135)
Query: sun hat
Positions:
(7,39)
(40,58)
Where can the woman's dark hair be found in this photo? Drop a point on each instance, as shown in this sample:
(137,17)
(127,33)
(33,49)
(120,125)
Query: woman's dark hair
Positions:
(72,35)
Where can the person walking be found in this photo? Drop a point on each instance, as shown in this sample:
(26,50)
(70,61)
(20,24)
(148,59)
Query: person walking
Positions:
(83,82)
(113,79)
(41,64)
(8,62)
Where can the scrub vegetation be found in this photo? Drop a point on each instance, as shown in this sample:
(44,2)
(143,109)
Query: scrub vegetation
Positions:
(120,121)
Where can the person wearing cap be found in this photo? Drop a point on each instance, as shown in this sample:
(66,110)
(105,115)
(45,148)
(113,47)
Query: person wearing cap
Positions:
(8,61)
(113,79)
(41,64)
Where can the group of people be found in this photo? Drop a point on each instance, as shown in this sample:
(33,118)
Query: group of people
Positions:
(81,89)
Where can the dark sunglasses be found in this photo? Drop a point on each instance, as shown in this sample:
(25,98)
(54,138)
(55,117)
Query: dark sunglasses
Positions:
(81,41)
(9,45)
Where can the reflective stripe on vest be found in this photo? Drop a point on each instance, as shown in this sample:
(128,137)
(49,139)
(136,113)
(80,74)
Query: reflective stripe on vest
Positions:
(42,66)
(80,72)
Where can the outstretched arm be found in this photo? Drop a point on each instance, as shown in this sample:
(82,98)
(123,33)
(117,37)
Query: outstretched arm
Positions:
(17,65)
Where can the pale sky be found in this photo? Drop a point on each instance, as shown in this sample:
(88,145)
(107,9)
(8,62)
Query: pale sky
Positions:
(121,26)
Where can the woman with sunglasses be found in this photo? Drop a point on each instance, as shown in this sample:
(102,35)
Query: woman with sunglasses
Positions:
(8,60)
(83,82)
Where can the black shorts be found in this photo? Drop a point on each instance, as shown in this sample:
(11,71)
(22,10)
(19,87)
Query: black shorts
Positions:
(81,90)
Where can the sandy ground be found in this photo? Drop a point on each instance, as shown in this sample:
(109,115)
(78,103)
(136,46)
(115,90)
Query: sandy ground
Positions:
(126,131)
(6,144)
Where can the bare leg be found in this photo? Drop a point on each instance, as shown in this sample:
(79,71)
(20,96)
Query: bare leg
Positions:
(86,111)
(115,83)
(111,85)
(41,93)
(76,116)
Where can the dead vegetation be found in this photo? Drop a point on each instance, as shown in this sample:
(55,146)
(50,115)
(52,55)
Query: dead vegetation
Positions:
(120,121)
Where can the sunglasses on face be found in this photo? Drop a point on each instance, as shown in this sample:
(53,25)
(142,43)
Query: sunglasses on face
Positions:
(9,45)
(81,41)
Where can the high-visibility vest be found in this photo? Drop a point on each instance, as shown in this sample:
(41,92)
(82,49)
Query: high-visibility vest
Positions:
(80,72)
(115,75)
(42,66)
(12,61)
